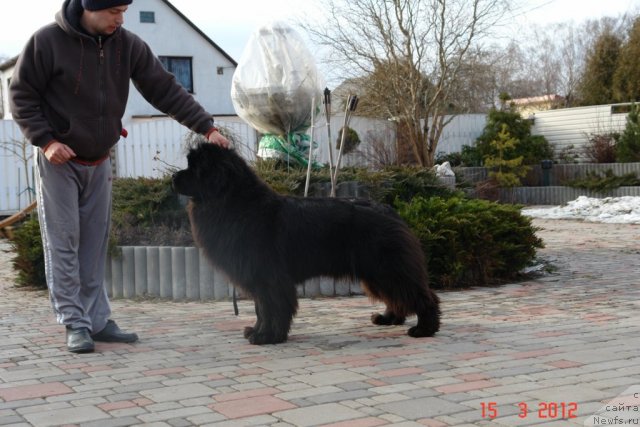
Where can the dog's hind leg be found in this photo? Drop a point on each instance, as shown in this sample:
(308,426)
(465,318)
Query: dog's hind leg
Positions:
(387,318)
(427,309)
(275,308)
(393,314)
(249,330)
(401,302)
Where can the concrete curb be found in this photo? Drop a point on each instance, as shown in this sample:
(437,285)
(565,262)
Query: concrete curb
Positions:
(184,274)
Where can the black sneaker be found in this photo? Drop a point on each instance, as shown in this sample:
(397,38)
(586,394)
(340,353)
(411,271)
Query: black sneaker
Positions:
(79,340)
(112,333)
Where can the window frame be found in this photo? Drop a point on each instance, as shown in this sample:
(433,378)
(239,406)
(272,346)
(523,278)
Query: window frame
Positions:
(147,14)
(167,63)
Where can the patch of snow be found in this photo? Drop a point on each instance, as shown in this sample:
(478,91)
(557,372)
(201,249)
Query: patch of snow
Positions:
(614,210)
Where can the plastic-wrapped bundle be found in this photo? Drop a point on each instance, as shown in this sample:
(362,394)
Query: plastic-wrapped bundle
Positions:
(276,81)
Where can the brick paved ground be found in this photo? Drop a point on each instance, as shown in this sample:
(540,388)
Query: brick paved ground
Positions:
(573,336)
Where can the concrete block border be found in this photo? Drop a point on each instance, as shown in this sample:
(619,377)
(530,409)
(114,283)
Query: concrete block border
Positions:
(184,274)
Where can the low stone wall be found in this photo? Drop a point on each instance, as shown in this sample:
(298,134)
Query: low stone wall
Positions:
(184,274)
(558,175)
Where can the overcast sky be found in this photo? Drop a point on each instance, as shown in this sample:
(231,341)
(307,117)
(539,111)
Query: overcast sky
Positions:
(229,23)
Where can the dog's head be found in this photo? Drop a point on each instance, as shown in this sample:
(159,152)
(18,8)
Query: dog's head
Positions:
(210,169)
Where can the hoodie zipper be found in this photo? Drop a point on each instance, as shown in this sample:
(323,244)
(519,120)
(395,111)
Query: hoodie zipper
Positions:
(101,88)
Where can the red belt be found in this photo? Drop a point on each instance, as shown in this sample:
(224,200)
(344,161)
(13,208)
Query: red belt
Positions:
(90,162)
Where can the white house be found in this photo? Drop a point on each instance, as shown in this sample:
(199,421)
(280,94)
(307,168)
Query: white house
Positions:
(196,60)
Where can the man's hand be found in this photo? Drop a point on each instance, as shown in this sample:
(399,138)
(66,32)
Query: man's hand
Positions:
(217,138)
(58,153)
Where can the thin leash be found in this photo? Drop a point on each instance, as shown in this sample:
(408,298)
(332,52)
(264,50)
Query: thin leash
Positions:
(235,301)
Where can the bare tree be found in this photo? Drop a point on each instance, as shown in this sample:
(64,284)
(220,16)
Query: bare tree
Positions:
(412,50)
(555,56)
(22,150)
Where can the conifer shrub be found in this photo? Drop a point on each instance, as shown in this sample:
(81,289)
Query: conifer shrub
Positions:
(505,169)
(147,212)
(603,182)
(467,242)
(351,140)
(29,259)
(628,143)
(532,148)
(471,242)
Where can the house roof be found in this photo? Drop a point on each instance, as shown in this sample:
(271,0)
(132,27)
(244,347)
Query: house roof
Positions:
(8,63)
(199,31)
(537,99)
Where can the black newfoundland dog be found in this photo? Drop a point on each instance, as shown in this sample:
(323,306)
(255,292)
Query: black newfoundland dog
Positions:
(267,243)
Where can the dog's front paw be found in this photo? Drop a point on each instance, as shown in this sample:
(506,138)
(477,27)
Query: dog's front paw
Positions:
(386,319)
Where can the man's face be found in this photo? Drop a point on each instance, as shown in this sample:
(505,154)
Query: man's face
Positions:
(103,22)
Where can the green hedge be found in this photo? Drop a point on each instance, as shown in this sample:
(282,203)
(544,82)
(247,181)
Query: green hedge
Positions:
(471,242)
(607,181)
(29,259)
(467,242)
(147,212)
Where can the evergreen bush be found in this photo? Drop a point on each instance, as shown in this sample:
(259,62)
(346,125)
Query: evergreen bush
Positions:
(468,157)
(147,212)
(468,242)
(471,242)
(29,259)
(628,143)
(532,148)
(505,169)
(607,181)
(351,140)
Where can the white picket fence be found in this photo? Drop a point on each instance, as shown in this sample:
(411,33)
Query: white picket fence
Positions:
(16,179)
(156,147)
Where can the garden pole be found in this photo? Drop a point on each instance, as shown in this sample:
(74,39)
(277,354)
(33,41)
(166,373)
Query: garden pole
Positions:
(313,115)
(327,115)
(352,104)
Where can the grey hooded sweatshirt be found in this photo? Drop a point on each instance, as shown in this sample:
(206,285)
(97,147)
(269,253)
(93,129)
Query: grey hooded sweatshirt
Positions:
(72,87)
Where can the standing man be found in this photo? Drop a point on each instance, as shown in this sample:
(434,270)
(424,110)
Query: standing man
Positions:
(68,94)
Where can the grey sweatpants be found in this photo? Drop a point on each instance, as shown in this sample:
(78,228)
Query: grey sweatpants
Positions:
(74,210)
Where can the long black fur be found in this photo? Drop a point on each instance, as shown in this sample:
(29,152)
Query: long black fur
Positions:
(267,243)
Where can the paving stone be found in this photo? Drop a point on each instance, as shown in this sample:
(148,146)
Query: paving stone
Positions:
(318,414)
(251,406)
(177,393)
(31,391)
(308,392)
(174,413)
(340,397)
(69,415)
(338,376)
(426,407)
(569,336)
(113,422)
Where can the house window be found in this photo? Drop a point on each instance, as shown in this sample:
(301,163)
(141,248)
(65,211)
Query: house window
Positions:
(147,17)
(181,68)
